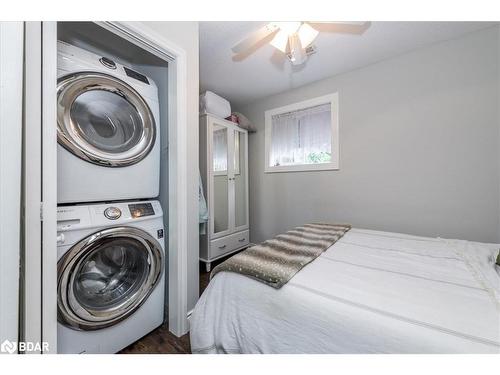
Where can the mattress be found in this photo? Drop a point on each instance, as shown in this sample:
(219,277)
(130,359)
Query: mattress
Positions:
(371,292)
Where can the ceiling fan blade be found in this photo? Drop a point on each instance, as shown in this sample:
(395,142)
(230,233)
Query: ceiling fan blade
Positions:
(353,23)
(341,27)
(253,39)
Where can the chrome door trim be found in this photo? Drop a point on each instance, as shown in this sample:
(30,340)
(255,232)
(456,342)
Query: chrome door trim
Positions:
(75,316)
(69,87)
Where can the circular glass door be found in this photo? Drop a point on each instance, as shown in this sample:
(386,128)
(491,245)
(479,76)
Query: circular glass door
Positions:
(106,277)
(103,120)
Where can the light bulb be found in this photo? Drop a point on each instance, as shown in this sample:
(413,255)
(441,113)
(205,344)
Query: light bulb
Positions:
(298,54)
(307,34)
(280,41)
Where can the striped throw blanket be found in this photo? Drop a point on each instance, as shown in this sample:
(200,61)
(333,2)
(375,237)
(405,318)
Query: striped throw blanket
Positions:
(275,262)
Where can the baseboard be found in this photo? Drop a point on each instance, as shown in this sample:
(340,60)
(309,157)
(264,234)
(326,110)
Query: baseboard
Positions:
(189,318)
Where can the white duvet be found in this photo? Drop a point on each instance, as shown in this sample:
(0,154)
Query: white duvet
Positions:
(371,292)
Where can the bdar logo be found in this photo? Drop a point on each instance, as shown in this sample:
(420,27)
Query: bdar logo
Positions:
(8,347)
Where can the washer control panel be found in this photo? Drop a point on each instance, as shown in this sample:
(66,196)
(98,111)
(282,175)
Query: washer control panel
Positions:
(77,217)
(112,213)
(141,209)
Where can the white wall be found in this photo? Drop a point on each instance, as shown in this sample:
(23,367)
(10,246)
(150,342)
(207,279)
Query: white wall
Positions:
(11,86)
(498,112)
(419,148)
(185,35)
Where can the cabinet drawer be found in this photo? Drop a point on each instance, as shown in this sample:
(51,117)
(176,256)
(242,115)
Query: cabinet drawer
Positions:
(229,243)
(239,239)
(219,247)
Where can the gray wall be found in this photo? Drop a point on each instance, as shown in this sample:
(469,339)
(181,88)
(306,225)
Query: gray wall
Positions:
(419,137)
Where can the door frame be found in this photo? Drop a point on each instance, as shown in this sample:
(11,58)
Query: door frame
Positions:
(43,312)
(39,313)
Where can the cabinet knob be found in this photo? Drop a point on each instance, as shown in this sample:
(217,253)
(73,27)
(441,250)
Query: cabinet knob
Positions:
(241,239)
(222,247)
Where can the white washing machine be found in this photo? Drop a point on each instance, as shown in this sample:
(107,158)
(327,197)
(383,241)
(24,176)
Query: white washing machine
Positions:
(107,129)
(110,278)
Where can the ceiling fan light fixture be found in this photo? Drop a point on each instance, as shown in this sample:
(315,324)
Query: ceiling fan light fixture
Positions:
(307,34)
(282,32)
(298,53)
(280,41)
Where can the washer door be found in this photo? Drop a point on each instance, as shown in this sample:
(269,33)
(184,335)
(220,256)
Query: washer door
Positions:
(103,120)
(107,276)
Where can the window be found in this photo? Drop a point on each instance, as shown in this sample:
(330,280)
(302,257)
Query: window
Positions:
(303,136)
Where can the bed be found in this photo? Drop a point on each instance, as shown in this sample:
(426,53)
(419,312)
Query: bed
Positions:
(370,292)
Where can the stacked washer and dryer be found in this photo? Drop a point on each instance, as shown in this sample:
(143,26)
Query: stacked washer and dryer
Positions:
(111,252)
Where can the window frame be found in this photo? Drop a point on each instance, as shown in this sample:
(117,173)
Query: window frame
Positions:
(333,100)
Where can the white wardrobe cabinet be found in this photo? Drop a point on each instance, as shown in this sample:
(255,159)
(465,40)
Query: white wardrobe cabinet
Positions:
(224,172)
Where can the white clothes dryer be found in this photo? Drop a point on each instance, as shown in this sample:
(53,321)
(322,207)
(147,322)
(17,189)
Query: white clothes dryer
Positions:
(107,129)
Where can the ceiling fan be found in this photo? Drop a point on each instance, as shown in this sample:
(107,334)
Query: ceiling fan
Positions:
(294,38)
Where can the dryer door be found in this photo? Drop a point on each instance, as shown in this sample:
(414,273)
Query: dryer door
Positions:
(107,276)
(103,120)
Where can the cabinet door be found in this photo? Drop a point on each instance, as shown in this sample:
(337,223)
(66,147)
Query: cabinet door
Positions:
(220,192)
(240,179)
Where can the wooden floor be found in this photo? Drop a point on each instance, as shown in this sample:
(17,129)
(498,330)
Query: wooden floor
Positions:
(161,341)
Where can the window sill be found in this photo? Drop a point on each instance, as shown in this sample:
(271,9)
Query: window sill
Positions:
(303,168)
(224,173)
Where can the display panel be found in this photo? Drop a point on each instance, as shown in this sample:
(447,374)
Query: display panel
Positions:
(141,209)
(137,76)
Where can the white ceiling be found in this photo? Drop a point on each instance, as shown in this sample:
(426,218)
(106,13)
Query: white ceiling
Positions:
(266,71)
